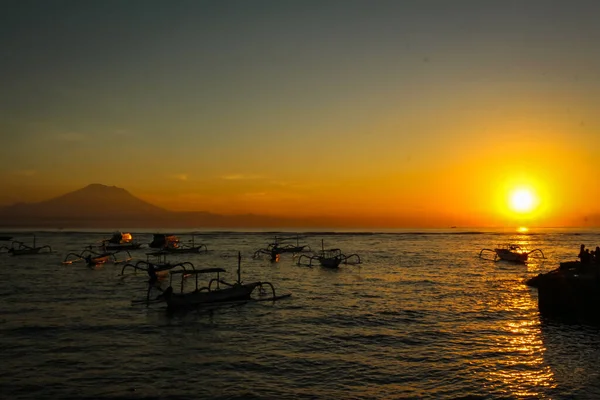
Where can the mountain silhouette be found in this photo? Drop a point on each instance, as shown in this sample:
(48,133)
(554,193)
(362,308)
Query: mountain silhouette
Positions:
(94,205)
(94,200)
(101,206)
(111,207)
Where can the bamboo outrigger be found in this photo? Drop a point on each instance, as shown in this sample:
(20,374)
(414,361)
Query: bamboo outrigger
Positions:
(19,248)
(511,252)
(329,258)
(94,259)
(276,248)
(213,293)
(173,244)
(156,264)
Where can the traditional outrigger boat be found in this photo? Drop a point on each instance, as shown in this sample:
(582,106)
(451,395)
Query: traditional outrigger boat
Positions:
(94,259)
(329,258)
(162,240)
(156,264)
(276,248)
(213,293)
(19,248)
(120,241)
(511,252)
(173,244)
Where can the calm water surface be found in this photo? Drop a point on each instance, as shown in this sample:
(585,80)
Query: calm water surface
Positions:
(422,317)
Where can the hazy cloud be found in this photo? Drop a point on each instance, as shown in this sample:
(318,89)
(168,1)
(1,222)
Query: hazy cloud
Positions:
(237,177)
(180,177)
(255,195)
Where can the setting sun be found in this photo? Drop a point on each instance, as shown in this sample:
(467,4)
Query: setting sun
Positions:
(522,200)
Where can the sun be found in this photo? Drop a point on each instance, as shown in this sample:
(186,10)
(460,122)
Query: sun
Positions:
(522,200)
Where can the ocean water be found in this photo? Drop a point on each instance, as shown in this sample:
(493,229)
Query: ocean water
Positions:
(422,317)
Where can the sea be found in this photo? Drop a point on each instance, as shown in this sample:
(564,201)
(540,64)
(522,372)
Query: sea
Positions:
(423,316)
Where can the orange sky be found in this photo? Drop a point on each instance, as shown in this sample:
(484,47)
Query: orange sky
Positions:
(402,113)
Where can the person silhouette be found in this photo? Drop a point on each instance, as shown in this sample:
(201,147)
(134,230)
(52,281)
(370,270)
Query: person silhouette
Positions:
(581,255)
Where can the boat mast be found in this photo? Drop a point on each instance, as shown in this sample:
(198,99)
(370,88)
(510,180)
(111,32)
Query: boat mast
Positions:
(238,269)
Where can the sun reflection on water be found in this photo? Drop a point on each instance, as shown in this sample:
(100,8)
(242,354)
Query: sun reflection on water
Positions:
(516,366)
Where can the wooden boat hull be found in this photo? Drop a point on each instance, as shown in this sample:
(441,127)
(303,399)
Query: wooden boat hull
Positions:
(330,262)
(22,252)
(122,246)
(182,250)
(508,255)
(176,301)
(296,249)
(103,259)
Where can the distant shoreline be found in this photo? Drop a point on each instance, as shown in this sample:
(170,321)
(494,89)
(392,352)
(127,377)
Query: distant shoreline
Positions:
(308,231)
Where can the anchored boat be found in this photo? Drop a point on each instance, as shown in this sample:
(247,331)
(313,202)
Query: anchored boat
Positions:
(216,290)
(157,264)
(94,259)
(329,258)
(120,241)
(276,248)
(19,248)
(173,244)
(511,252)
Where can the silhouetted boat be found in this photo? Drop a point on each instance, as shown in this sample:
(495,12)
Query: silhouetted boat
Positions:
(276,248)
(512,253)
(172,244)
(213,293)
(156,263)
(330,258)
(162,240)
(5,238)
(19,248)
(120,241)
(94,259)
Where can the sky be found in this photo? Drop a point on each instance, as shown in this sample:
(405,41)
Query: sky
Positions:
(405,113)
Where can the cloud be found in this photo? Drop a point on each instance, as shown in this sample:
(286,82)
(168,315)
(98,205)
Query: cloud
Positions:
(238,177)
(255,195)
(180,177)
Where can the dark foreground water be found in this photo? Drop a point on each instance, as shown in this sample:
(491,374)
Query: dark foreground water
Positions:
(422,317)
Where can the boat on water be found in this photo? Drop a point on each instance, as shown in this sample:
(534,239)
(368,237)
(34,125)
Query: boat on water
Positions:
(120,241)
(510,252)
(19,248)
(156,263)
(279,247)
(216,290)
(94,259)
(276,248)
(172,244)
(5,238)
(162,240)
(329,258)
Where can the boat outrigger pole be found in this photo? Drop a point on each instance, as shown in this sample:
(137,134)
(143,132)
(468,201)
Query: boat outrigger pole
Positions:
(239,267)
